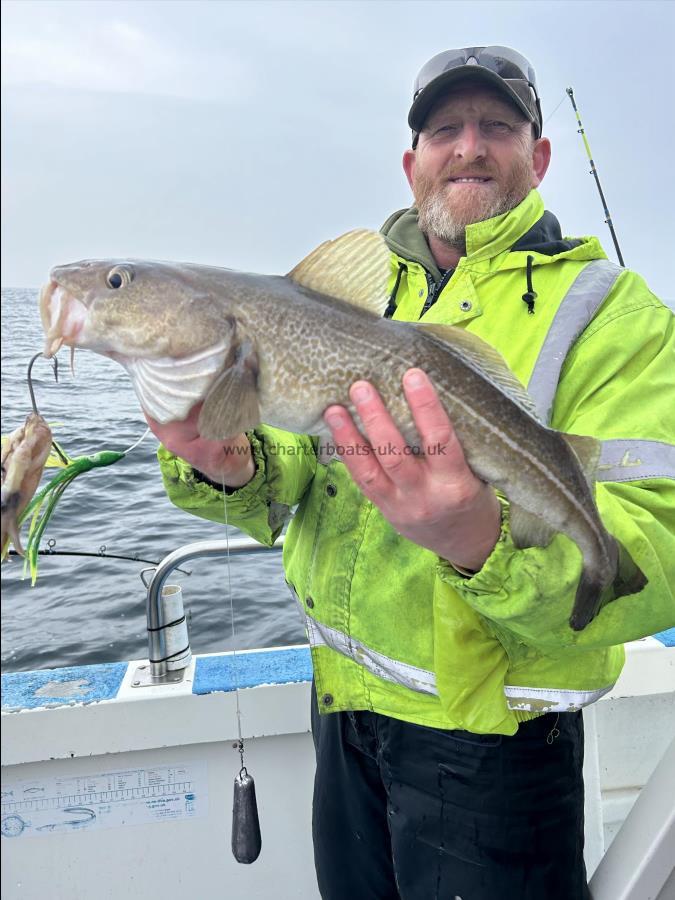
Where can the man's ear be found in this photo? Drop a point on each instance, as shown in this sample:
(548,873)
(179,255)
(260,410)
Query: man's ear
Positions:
(409,160)
(541,157)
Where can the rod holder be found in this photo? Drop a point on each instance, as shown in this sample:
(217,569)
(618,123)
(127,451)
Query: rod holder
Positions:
(159,649)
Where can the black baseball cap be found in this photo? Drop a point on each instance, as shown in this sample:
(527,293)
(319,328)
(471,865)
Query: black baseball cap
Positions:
(503,68)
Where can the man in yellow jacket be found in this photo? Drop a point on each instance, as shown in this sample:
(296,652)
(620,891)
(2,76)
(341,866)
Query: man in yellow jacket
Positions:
(450,761)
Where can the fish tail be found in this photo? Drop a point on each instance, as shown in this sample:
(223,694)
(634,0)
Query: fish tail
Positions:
(10,534)
(10,522)
(628,579)
(586,602)
(16,539)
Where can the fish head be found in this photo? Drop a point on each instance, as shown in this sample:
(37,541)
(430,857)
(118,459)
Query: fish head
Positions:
(130,307)
(164,322)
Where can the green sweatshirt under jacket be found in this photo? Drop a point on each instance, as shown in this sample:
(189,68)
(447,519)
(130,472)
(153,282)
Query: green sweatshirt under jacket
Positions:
(395,629)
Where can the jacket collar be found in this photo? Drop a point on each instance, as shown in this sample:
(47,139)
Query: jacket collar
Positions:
(485,240)
(403,237)
(527,226)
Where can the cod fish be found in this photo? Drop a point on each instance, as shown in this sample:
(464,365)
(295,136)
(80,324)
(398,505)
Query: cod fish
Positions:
(24,454)
(280,349)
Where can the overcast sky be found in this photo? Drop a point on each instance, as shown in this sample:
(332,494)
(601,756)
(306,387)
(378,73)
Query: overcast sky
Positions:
(244,134)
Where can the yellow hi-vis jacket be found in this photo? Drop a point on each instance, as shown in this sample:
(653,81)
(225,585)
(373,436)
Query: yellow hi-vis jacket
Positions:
(395,629)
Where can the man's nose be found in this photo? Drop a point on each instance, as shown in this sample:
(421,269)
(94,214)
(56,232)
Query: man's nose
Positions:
(471,143)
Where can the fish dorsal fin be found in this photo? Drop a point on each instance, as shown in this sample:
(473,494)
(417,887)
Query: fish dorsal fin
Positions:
(484,357)
(354,268)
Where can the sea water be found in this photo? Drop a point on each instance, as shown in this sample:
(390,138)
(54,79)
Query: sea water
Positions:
(86,610)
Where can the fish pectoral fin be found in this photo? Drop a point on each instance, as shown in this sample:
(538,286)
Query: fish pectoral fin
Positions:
(483,357)
(527,529)
(354,268)
(587,451)
(231,405)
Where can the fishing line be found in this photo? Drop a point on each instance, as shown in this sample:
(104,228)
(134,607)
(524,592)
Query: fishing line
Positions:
(234,645)
(139,441)
(550,116)
(246,840)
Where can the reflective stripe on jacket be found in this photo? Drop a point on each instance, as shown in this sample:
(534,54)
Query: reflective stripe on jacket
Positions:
(396,630)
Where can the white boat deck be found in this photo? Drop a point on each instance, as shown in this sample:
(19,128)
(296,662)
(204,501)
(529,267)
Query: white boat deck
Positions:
(110,790)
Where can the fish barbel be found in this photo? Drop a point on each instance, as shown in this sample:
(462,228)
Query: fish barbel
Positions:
(24,454)
(281,349)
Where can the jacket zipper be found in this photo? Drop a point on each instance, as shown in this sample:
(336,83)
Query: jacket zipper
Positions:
(434,289)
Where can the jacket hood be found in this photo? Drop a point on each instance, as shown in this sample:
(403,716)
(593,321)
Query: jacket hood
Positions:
(528,227)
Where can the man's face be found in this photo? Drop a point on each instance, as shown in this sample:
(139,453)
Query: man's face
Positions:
(476,158)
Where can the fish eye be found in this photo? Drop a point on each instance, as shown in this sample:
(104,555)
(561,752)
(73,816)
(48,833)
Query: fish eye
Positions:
(119,277)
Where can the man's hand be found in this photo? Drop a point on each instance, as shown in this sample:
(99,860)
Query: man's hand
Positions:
(434,500)
(227,462)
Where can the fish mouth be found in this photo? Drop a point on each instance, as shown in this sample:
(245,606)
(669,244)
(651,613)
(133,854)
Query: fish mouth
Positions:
(63,317)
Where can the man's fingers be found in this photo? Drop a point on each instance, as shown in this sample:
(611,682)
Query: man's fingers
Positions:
(356,453)
(441,448)
(392,452)
(382,462)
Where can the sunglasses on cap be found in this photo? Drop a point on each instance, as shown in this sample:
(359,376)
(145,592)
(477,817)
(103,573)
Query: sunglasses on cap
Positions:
(503,68)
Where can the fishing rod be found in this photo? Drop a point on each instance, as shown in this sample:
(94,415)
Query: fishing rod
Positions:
(51,552)
(594,173)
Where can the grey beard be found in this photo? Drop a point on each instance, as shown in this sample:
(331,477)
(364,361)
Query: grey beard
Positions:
(436,218)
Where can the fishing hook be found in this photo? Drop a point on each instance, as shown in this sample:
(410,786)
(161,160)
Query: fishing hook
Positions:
(31,391)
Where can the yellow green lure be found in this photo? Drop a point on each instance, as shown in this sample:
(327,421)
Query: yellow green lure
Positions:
(44,502)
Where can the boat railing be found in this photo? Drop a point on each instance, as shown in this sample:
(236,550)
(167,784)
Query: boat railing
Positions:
(166,621)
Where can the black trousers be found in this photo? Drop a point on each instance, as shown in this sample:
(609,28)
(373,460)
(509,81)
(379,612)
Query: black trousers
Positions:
(404,811)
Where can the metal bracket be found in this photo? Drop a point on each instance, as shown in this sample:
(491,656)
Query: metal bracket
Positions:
(143,677)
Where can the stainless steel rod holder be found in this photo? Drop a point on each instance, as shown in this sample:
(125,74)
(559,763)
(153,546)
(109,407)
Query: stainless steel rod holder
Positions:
(236,546)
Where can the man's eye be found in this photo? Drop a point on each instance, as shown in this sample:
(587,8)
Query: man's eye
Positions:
(496,126)
(447,129)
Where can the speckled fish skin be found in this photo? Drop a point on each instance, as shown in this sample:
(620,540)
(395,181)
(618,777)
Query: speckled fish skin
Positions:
(24,455)
(284,352)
